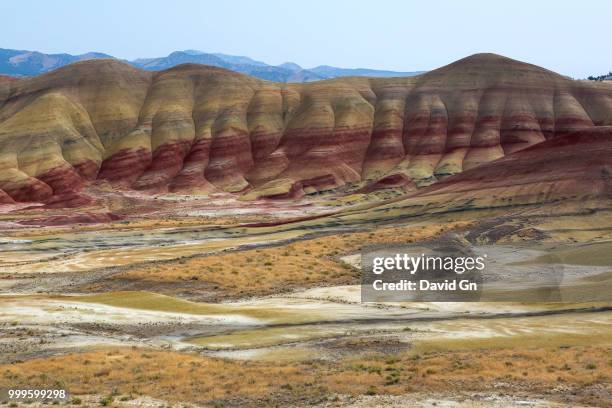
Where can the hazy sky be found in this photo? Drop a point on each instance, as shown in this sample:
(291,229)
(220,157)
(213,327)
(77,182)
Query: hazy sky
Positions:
(570,37)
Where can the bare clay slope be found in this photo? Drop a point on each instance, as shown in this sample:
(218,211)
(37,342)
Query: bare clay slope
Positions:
(199,128)
(573,169)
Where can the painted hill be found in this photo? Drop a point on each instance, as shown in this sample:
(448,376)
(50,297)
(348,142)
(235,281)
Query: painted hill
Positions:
(32,63)
(572,167)
(200,128)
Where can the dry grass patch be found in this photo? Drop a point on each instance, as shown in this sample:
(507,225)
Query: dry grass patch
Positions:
(304,263)
(579,374)
(170,376)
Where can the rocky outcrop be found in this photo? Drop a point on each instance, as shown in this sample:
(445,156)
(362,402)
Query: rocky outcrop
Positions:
(195,128)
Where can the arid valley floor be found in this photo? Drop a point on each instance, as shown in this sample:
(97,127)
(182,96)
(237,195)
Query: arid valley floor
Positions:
(210,305)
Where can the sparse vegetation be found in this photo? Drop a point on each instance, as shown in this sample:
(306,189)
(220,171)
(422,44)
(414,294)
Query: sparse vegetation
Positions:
(605,77)
(263,271)
(370,375)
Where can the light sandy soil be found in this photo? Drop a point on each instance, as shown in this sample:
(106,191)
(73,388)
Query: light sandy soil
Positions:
(300,326)
(470,400)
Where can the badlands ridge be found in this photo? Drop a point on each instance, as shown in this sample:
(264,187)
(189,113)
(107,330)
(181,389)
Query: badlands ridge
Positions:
(199,129)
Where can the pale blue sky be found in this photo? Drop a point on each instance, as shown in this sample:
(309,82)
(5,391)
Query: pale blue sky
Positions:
(570,37)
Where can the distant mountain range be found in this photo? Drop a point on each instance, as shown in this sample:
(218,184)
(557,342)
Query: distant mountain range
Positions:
(31,63)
